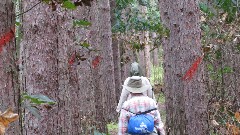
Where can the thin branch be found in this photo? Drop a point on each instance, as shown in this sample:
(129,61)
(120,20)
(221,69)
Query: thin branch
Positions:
(29,9)
(153,48)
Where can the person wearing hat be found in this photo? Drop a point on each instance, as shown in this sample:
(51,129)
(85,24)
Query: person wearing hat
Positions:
(135,70)
(138,104)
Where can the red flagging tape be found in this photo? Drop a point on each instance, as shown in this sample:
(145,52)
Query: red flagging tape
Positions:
(192,70)
(6,38)
(96,61)
(72,59)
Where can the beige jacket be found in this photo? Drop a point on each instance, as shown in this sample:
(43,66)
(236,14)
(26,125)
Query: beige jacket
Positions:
(125,95)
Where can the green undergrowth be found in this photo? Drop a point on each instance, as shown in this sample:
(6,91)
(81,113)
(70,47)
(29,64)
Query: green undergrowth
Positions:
(161,102)
(112,128)
(161,98)
(156,75)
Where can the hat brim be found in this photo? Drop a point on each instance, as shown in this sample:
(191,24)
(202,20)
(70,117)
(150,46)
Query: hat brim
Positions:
(137,90)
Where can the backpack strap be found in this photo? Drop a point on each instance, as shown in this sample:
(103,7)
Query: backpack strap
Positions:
(128,110)
(148,111)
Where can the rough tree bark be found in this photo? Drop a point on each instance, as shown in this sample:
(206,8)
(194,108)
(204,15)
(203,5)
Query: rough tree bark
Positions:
(142,61)
(185,100)
(145,41)
(82,90)
(155,55)
(117,67)
(39,51)
(127,57)
(103,75)
(47,47)
(9,92)
(116,55)
(147,55)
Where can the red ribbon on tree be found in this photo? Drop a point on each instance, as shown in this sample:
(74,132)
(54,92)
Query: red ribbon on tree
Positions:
(6,38)
(72,59)
(96,61)
(192,70)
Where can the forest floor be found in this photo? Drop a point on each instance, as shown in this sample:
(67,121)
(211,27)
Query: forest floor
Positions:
(113,127)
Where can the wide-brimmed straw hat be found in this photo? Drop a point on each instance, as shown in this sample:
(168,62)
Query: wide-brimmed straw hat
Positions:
(135,85)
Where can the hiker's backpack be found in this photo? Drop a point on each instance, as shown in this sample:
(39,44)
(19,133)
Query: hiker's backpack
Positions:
(141,124)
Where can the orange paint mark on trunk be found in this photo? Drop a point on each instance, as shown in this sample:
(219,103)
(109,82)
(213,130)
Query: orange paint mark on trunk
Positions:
(6,38)
(96,61)
(72,59)
(192,70)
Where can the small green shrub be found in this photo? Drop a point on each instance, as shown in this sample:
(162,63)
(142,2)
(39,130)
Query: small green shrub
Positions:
(156,75)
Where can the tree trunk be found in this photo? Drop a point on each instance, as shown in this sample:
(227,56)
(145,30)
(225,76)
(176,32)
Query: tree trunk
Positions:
(147,55)
(127,57)
(145,40)
(39,55)
(107,65)
(116,55)
(117,68)
(185,100)
(103,73)
(155,53)
(9,90)
(142,62)
(47,46)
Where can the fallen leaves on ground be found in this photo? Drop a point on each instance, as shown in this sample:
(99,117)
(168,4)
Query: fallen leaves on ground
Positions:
(233,129)
(237,116)
(6,118)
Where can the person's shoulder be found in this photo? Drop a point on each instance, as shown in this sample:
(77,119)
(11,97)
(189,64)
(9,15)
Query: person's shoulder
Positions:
(145,79)
(142,98)
(126,104)
(135,99)
(148,99)
(146,82)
